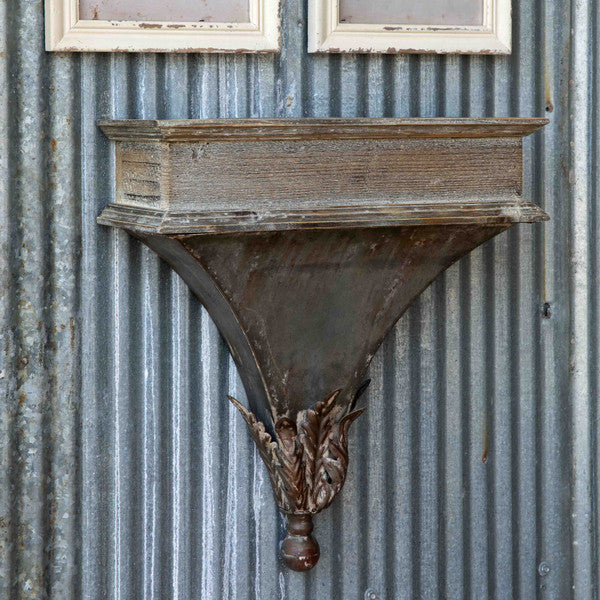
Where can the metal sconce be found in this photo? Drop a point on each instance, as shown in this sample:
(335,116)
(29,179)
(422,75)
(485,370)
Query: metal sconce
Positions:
(306,240)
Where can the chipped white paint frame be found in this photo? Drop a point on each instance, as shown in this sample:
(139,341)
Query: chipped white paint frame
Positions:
(65,32)
(327,34)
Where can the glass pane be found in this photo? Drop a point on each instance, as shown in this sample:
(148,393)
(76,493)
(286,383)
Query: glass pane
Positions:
(219,11)
(412,12)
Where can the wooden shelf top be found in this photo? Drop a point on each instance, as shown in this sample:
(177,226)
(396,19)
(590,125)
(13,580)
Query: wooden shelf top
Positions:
(213,176)
(173,130)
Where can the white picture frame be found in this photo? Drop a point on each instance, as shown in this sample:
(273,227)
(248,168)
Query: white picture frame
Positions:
(327,34)
(65,32)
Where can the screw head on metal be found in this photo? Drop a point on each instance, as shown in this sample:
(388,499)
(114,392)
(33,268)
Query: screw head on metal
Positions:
(544,568)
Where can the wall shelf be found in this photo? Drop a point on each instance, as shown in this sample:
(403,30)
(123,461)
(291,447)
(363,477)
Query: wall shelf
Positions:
(306,240)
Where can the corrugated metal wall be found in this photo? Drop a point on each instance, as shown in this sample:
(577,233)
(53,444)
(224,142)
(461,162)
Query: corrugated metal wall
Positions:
(125,472)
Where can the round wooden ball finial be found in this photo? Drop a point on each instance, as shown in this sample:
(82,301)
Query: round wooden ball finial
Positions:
(300,550)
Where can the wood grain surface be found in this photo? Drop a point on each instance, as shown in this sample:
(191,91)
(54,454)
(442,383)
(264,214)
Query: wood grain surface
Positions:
(252,175)
(313,173)
(287,129)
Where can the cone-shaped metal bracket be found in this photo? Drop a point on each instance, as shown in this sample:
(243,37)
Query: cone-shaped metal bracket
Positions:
(306,241)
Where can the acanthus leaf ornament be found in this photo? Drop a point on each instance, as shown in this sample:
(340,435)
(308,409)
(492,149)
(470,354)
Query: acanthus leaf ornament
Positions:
(307,461)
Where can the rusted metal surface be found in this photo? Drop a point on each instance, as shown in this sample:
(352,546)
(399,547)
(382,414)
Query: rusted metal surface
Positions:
(304,312)
(478,347)
(314,306)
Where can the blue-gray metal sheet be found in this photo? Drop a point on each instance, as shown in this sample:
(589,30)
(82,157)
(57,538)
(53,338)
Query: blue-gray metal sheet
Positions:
(474,472)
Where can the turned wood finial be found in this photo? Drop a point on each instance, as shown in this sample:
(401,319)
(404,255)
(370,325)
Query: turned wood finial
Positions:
(300,550)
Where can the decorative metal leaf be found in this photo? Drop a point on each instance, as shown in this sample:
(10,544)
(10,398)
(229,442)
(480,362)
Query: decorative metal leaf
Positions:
(324,408)
(362,388)
(345,423)
(308,460)
(268,450)
(291,458)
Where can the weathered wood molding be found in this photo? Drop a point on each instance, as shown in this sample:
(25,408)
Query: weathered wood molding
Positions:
(248,175)
(306,240)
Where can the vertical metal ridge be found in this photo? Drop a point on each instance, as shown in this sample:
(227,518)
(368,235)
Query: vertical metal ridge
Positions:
(425,342)
(455,443)
(477,380)
(7,347)
(179,431)
(91,384)
(371,528)
(28,516)
(389,504)
(413,379)
(428,448)
(64,328)
(464,309)
(237,567)
(120,410)
(595,291)
(441,399)
(148,436)
(527,288)
(579,392)
(118,326)
(503,330)
(402,441)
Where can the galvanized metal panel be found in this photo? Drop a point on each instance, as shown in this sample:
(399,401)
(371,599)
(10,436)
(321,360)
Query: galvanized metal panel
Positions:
(474,472)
